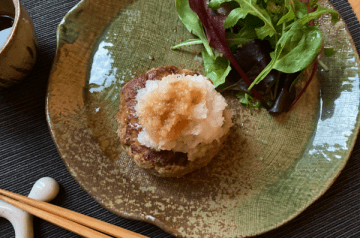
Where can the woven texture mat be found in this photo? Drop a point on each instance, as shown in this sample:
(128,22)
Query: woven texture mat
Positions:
(28,153)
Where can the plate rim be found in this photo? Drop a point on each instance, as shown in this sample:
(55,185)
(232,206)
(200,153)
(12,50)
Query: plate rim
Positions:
(157,222)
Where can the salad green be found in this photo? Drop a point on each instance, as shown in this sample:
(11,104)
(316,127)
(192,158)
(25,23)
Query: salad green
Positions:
(225,25)
(192,23)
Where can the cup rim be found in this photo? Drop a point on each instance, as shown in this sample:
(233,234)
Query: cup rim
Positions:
(14,26)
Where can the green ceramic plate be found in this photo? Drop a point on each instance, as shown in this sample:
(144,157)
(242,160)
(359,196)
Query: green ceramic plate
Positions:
(270,170)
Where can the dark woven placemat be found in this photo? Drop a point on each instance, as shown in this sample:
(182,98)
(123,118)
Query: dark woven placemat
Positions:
(28,153)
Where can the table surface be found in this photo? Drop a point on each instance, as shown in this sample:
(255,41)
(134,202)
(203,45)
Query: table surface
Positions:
(356,6)
(28,153)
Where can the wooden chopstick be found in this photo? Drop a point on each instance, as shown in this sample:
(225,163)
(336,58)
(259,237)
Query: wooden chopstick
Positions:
(67,219)
(59,221)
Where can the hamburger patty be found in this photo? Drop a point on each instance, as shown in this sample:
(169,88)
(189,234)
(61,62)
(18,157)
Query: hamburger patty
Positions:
(160,163)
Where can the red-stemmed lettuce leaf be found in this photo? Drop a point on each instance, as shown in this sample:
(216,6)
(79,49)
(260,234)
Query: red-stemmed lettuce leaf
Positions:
(213,24)
(306,86)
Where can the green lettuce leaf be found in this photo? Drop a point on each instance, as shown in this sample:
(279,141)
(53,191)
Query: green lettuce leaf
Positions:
(299,50)
(192,23)
(247,7)
(245,35)
(217,69)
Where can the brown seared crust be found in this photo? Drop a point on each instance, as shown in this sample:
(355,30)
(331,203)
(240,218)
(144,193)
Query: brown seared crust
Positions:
(160,163)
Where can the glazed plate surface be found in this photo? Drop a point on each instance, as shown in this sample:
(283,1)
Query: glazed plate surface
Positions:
(270,169)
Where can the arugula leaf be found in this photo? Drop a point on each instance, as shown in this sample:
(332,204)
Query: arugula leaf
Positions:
(217,69)
(290,15)
(247,7)
(287,24)
(335,17)
(300,9)
(192,23)
(272,7)
(187,43)
(234,16)
(252,57)
(244,99)
(310,42)
(300,50)
(215,4)
(288,40)
(245,35)
(286,18)
(215,31)
(251,7)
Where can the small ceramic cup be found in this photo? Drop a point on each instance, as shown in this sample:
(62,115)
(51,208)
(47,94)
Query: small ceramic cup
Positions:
(18,53)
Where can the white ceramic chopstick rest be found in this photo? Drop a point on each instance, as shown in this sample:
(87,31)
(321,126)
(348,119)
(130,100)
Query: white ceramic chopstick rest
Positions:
(45,189)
